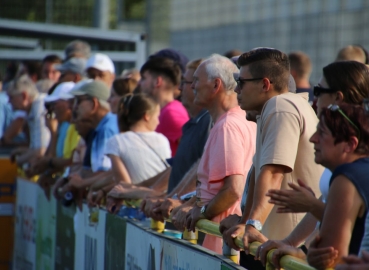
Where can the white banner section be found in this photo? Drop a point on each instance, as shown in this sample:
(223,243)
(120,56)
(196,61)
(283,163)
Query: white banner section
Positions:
(90,239)
(146,250)
(24,257)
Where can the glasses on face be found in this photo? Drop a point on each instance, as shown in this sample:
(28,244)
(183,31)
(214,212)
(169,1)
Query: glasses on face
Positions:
(79,100)
(320,90)
(240,82)
(335,108)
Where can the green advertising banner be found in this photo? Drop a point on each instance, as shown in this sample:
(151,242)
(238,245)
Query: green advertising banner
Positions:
(65,237)
(115,237)
(46,231)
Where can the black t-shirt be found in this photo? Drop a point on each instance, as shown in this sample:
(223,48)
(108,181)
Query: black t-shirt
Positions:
(357,172)
(89,139)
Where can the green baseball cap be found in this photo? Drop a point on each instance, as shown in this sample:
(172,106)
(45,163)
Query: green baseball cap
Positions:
(96,89)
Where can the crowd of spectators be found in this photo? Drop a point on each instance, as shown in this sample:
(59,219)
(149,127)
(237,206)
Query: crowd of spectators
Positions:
(242,139)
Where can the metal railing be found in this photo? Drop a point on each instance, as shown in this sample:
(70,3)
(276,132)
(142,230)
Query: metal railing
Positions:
(209,227)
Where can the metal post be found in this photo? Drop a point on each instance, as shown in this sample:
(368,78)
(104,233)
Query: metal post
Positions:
(49,19)
(101,14)
(191,236)
(230,253)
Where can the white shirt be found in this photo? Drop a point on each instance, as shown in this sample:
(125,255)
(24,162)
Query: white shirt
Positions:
(142,153)
(324,183)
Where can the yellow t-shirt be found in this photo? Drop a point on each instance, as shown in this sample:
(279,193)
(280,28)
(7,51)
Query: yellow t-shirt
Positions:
(71,141)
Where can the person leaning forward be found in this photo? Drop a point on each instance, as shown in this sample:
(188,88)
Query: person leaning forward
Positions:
(283,151)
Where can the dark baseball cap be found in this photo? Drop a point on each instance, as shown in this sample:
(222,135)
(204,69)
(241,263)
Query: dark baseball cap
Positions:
(174,55)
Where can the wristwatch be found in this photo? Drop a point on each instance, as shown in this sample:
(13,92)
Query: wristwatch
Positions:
(203,209)
(255,223)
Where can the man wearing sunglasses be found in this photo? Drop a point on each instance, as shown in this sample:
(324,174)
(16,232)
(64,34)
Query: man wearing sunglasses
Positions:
(283,151)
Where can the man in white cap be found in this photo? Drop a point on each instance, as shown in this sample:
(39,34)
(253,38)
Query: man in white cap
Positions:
(64,137)
(101,67)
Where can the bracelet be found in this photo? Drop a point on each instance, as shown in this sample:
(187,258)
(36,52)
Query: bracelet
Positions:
(304,249)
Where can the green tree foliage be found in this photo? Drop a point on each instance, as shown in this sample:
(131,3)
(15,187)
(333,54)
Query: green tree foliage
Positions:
(69,12)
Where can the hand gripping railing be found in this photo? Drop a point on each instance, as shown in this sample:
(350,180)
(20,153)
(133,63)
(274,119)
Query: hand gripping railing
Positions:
(287,262)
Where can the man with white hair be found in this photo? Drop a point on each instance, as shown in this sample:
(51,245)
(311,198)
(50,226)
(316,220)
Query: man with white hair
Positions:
(23,96)
(101,67)
(221,176)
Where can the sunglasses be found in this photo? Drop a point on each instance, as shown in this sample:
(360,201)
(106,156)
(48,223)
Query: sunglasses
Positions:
(336,108)
(240,82)
(319,90)
(78,100)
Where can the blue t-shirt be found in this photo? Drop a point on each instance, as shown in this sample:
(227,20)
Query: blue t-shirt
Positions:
(5,116)
(62,133)
(96,141)
(357,172)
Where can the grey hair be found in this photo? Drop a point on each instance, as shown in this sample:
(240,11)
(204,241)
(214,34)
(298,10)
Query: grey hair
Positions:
(21,85)
(104,104)
(44,85)
(221,67)
(77,48)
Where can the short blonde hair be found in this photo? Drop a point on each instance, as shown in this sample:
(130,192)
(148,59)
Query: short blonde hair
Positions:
(351,53)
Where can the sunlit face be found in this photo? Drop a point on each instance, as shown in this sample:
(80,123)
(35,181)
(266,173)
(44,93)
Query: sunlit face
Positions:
(83,127)
(324,99)
(17,101)
(187,92)
(61,109)
(153,121)
(82,107)
(250,92)
(147,83)
(326,152)
(104,76)
(114,101)
(202,87)
(49,72)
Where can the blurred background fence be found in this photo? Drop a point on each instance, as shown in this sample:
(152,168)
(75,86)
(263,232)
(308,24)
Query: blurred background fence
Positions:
(198,28)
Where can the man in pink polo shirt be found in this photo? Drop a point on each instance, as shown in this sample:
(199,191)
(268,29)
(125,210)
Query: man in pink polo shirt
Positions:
(229,149)
(160,77)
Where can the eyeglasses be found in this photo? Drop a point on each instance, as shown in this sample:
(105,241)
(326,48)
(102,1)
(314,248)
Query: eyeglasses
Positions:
(335,108)
(78,100)
(319,90)
(240,82)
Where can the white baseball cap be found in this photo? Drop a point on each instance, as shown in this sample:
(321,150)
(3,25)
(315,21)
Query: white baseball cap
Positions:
(62,91)
(101,62)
